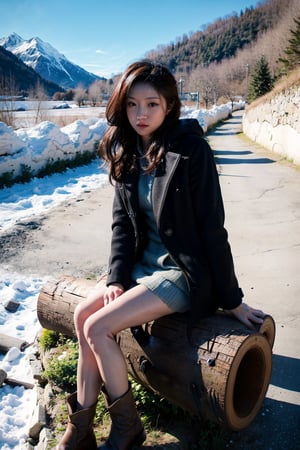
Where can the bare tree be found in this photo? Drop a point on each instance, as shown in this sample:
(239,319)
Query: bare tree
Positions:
(94,93)
(205,80)
(97,91)
(8,96)
(41,98)
(80,95)
(233,74)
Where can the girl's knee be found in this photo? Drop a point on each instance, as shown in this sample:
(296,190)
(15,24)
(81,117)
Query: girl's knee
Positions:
(80,316)
(88,307)
(96,331)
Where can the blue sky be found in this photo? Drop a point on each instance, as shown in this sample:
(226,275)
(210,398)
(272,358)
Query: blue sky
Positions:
(104,37)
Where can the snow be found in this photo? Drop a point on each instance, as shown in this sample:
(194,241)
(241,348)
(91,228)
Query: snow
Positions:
(17,404)
(31,50)
(24,201)
(34,146)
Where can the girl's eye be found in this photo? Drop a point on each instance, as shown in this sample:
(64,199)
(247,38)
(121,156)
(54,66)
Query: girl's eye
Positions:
(153,104)
(130,104)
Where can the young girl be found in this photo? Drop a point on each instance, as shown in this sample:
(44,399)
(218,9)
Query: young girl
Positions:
(169,249)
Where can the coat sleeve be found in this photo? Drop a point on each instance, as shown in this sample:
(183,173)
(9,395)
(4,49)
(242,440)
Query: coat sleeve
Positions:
(122,243)
(210,216)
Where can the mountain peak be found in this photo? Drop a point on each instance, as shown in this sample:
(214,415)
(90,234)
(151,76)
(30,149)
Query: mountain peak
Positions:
(47,61)
(11,41)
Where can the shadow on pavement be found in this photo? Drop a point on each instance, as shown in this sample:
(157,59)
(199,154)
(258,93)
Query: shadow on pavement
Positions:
(221,157)
(232,152)
(224,161)
(286,373)
(275,428)
(225,133)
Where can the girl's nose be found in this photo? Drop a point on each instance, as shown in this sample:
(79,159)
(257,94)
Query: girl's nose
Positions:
(141,112)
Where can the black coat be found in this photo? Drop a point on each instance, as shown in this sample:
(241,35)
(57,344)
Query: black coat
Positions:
(188,209)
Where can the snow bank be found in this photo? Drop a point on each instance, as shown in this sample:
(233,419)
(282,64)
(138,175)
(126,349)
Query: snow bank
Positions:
(34,147)
(45,142)
(210,117)
(10,143)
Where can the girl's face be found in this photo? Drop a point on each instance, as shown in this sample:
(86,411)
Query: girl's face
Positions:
(146,110)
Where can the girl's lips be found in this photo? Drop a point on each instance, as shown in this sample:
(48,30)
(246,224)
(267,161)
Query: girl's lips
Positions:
(142,125)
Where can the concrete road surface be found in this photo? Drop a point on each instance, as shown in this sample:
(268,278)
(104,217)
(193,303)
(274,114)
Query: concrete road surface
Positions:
(262,203)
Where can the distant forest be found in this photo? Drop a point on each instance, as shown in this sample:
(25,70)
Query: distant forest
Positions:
(219,60)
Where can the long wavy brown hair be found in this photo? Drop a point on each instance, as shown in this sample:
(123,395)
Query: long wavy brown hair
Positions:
(118,147)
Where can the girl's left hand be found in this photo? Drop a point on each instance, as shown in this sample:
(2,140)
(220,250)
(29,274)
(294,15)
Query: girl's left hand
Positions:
(112,292)
(247,315)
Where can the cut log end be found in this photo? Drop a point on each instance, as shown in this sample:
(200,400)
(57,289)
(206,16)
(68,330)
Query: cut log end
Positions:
(267,328)
(248,381)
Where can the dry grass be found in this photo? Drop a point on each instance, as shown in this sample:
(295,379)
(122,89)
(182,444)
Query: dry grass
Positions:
(284,84)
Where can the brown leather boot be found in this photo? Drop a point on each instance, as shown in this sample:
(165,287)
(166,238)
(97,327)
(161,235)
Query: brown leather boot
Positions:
(127,430)
(79,434)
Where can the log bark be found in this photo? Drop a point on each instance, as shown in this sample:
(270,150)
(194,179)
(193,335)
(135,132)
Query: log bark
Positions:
(57,302)
(220,373)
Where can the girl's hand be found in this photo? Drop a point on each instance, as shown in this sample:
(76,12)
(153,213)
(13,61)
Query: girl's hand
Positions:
(112,292)
(247,315)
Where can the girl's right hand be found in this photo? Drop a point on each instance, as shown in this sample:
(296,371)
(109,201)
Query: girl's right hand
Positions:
(112,292)
(247,315)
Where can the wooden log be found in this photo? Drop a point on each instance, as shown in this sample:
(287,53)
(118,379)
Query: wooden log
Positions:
(58,300)
(221,373)
(4,379)
(7,342)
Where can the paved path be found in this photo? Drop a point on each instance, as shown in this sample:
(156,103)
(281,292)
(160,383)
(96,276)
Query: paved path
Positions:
(262,204)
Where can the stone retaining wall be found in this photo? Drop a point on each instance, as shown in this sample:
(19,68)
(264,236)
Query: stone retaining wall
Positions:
(275,123)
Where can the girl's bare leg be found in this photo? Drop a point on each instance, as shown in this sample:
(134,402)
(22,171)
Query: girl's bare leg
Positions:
(136,306)
(88,376)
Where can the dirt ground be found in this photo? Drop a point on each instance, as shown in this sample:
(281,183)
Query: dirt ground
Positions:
(72,239)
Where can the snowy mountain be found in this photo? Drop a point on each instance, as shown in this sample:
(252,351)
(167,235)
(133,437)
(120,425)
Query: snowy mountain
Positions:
(17,78)
(47,61)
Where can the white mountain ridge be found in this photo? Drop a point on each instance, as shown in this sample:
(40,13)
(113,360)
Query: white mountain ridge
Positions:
(47,61)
